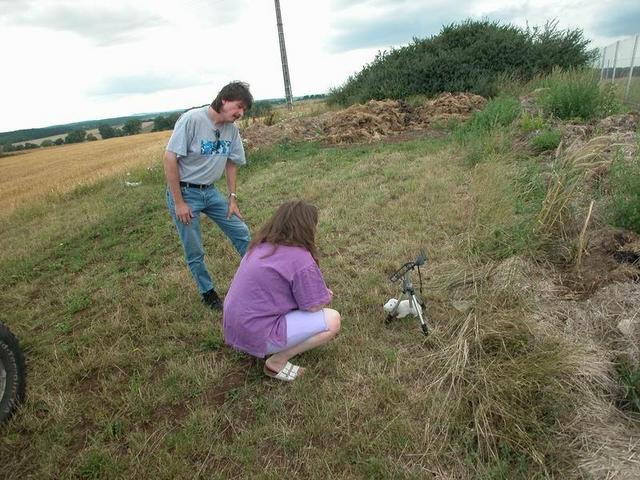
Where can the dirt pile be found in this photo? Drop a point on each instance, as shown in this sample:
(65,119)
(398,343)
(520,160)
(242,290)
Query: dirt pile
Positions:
(448,106)
(365,123)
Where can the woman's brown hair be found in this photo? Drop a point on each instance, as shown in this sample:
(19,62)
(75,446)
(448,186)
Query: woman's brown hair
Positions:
(293,224)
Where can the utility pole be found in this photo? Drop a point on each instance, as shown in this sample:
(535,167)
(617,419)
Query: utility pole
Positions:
(283,56)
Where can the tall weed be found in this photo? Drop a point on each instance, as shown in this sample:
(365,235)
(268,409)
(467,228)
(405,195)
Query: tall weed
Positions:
(624,178)
(576,94)
(483,135)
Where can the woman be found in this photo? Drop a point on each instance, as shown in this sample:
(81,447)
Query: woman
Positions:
(275,305)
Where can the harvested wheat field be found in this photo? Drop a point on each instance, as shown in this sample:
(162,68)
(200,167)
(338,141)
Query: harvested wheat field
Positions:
(55,170)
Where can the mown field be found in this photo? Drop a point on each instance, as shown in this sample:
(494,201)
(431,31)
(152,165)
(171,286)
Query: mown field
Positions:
(129,376)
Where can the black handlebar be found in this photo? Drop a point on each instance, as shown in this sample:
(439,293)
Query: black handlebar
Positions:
(398,274)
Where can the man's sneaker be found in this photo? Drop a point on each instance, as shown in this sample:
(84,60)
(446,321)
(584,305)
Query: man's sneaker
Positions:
(212,300)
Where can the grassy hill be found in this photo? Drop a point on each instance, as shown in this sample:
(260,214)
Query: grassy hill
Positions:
(129,376)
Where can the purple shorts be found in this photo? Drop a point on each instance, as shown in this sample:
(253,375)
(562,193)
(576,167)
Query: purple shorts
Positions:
(301,325)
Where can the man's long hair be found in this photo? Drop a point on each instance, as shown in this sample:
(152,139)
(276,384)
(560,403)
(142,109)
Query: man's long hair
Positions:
(293,224)
(231,92)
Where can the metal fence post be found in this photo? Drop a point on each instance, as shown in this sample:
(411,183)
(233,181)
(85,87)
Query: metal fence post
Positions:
(615,62)
(604,55)
(633,62)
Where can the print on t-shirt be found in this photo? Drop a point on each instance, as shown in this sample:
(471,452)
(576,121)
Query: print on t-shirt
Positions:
(215,147)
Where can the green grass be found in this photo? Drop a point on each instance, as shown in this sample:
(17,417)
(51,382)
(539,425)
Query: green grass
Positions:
(630,383)
(129,376)
(546,140)
(577,94)
(530,123)
(500,112)
(486,135)
(624,205)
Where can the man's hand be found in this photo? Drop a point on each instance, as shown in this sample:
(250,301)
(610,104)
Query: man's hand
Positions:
(184,213)
(233,208)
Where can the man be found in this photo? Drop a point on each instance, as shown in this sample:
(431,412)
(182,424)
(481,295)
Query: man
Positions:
(205,144)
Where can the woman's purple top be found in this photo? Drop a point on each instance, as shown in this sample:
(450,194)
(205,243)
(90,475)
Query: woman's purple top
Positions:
(265,288)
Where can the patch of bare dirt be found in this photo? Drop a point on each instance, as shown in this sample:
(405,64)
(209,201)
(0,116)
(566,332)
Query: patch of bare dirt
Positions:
(366,123)
(611,256)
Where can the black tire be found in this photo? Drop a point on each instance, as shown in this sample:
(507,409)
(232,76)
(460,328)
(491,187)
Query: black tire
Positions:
(12,374)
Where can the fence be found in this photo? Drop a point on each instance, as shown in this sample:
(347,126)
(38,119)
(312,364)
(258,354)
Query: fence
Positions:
(620,63)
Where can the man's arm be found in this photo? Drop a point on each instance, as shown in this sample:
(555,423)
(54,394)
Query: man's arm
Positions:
(231,173)
(171,173)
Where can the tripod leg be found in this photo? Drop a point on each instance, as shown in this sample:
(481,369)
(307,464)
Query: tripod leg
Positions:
(418,308)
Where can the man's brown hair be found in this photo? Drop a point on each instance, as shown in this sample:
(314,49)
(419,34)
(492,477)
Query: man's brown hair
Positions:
(293,224)
(231,92)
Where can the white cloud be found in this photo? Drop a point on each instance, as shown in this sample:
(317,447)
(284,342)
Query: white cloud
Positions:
(72,60)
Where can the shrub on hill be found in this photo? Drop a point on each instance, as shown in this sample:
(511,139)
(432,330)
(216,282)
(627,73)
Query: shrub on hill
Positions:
(106,131)
(132,127)
(470,56)
(260,108)
(76,136)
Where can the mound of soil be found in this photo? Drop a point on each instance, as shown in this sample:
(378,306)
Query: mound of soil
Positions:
(366,123)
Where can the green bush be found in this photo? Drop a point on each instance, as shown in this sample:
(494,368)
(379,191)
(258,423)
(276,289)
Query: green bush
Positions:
(576,94)
(76,136)
(546,140)
(473,56)
(624,178)
(261,108)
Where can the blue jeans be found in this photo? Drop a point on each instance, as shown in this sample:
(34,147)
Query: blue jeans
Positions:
(214,205)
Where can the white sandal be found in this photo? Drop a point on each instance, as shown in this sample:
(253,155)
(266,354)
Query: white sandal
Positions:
(288,373)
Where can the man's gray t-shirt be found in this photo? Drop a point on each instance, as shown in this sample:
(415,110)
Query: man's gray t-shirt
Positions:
(203,149)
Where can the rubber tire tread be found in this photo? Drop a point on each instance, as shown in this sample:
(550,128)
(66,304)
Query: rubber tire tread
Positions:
(13,360)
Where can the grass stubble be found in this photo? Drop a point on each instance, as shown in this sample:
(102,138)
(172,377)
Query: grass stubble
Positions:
(129,377)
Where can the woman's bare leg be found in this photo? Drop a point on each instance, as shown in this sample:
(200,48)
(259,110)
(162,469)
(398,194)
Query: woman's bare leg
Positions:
(278,360)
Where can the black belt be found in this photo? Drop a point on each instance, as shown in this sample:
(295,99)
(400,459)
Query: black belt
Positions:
(194,185)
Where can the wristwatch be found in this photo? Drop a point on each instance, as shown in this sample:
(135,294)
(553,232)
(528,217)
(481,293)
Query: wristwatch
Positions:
(232,194)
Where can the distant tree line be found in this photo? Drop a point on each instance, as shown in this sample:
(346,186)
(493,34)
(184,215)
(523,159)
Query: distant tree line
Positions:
(161,122)
(131,127)
(471,56)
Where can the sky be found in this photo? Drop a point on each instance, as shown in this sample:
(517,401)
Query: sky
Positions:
(73,60)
